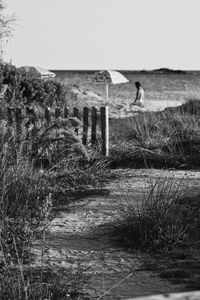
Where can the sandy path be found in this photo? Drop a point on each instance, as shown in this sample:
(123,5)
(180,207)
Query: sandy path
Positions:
(83,232)
(124,110)
(120,108)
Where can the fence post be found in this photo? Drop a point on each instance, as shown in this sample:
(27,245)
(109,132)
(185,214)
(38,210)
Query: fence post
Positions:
(94,126)
(85,124)
(33,134)
(9,116)
(47,114)
(105,130)
(57,112)
(66,112)
(76,113)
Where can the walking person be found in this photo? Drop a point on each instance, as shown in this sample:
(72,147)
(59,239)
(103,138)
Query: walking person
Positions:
(139,100)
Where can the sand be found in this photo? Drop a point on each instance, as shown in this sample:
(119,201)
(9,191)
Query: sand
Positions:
(123,110)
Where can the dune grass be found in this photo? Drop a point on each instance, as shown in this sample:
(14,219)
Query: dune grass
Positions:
(163,224)
(158,139)
(29,197)
(40,167)
(166,217)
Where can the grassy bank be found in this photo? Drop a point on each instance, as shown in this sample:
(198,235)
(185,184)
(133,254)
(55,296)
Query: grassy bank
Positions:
(168,139)
(165,216)
(163,222)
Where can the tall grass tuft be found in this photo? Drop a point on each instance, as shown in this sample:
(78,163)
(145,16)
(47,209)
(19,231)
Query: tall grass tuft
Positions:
(25,206)
(164,218)
(41,282)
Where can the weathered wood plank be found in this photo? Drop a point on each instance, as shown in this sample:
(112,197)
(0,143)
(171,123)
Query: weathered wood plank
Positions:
(47,115)
(9,115)
(66,112)
(85,125)
(57,112)
(76,115)
(105,130)
(94,126)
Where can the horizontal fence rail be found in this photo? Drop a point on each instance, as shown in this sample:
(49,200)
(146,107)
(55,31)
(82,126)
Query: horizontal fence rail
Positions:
(91,118)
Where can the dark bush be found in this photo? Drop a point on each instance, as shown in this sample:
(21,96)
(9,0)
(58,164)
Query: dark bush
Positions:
(27,88)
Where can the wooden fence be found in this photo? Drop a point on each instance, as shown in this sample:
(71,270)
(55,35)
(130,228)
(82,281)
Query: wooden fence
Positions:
(90,118)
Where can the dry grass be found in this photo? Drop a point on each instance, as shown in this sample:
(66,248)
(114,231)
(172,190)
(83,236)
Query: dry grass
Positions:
(27,197)
(164,218)
(163,139)
(41,281)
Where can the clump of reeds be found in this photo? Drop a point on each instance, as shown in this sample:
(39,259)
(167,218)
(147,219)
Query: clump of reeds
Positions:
(164,218)
(43,281)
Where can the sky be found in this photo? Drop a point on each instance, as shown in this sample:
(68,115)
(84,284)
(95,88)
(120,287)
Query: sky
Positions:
(105,34)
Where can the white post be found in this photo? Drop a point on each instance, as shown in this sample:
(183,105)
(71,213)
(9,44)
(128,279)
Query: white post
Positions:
(107,91)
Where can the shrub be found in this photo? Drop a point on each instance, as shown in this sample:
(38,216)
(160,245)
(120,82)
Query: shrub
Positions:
(27,88)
